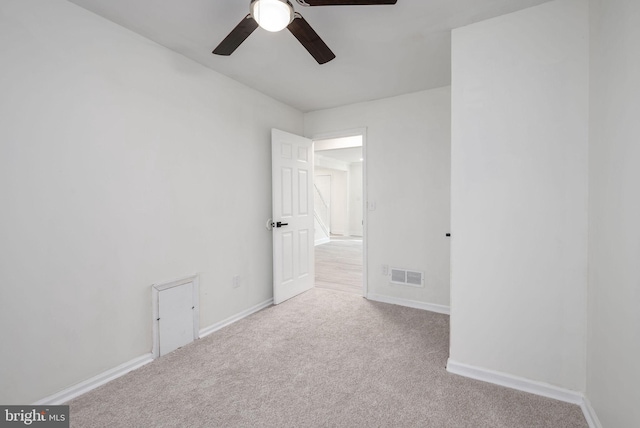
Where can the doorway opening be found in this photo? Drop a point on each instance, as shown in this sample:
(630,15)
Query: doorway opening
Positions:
(339,189)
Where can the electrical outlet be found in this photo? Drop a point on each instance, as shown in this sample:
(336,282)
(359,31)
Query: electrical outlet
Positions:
(235,281)
(385,270)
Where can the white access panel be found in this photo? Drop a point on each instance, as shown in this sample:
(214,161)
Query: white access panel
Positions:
(175,314)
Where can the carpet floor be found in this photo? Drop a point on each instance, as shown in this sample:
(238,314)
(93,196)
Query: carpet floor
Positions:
(322,359)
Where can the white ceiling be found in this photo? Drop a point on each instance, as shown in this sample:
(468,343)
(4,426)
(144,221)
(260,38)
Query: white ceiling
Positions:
(381,51)
(337,143)
(350,155)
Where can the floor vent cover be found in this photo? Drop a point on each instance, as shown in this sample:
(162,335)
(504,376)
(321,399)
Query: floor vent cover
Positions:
(407,277)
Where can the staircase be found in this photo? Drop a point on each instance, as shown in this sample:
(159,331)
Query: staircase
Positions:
(321,214)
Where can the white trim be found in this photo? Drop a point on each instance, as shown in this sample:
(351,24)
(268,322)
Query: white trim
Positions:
(114,373)
(590,414)
(515,382)
(237,317)
(353,132)
(431,307)
(322,241)
(365,212)
(527,385)
(175,282)
(76,390)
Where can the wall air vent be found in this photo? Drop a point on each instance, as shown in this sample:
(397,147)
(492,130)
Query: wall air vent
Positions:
(407,277)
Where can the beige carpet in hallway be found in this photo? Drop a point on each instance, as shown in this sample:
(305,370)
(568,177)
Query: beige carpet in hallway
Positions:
(322,359)
(339,265)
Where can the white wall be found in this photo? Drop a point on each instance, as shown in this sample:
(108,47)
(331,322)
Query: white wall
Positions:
(346,199)
(408,161)
(338,200)
(355,199)
(519,194)
(322,207)
(122,164)
(614,207)
(321,161)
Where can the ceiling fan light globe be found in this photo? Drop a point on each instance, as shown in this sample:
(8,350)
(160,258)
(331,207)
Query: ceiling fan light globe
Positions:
(272,15)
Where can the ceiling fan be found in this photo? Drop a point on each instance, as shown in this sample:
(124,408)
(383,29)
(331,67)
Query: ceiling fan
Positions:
(276,15)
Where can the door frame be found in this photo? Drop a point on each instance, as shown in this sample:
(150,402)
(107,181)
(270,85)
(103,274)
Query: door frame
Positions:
(365,200)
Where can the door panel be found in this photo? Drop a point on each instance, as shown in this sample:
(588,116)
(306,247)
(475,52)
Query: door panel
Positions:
(303,185)
(287,192)
(287,257)
(303,238)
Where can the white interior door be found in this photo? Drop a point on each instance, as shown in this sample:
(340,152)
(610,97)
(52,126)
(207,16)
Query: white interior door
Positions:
(293,234)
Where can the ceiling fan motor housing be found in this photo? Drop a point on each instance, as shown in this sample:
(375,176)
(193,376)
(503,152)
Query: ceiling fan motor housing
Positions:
(272,15)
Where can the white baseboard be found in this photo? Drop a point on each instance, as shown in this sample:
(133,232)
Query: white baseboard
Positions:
(431,307)
(590,414)
(89,384)
(109,375)
(237,317)
(527,385)
(514,382)
(322,241)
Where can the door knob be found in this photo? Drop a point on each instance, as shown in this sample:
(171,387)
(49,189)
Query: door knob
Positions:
(279,224)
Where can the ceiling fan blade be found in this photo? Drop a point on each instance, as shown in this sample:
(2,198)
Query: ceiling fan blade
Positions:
(344,2)
(310,39)
(236,36)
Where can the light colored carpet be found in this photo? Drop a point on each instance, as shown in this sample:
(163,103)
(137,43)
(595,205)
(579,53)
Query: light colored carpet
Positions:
(322,359)
(339,265)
